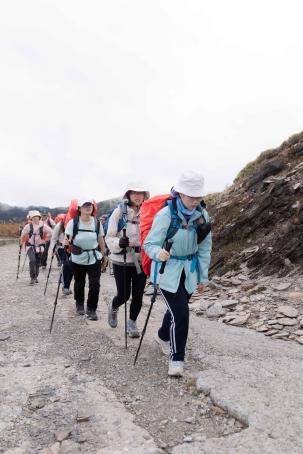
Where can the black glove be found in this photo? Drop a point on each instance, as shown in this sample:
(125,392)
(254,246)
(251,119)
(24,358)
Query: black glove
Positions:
(202,231)
(124,242)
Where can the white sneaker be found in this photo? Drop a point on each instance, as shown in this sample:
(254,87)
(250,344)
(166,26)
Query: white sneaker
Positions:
(165,345)
(175,368)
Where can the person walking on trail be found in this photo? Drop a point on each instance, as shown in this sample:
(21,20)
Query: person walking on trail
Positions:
(33,236)
(57,247)
(85,236)
(47,220)
(129,276)
(187,264)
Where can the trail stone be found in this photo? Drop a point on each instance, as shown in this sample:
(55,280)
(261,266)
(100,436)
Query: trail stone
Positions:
(262,329)
(288,311)
(4,338)
(300,340)
(281,335)
(244,300)
(296,297)
(188,439)
(229,303)
(215,310)
(277,326)
(239,321)
(271,332)
(272,322)
(62,435)
(299,332)
(281,287)
(82,418)
(288,321)
(236,281)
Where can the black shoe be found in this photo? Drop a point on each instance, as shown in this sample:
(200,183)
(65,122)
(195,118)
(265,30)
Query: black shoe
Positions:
(32,281)
(36,281)
(80,309)
(91,315)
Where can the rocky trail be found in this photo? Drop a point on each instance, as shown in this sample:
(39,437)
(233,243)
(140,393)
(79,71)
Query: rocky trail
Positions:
(77,391)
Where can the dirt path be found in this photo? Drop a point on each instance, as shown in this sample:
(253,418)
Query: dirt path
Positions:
(80,384)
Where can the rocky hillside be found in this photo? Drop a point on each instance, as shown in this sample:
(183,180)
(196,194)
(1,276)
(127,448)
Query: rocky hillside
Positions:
(259,219)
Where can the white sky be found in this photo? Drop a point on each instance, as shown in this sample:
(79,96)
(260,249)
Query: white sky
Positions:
(96,93)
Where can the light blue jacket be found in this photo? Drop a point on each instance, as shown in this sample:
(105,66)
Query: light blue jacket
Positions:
(184,244)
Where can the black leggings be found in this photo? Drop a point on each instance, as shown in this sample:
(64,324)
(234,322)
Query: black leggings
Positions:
(135,284)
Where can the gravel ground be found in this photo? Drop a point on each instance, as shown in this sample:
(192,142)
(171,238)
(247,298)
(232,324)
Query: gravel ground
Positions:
(79,383)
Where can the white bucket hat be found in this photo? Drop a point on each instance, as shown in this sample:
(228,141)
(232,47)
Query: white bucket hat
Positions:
(34,213)
(84,200)
(190,183)
(136,186)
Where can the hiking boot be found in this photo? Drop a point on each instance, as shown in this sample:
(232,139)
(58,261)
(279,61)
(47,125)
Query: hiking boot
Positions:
(132,329)
(66,291)
(91,315)
(32,281)
(80,308)
(175,368)
(165,345)
(43,267)
(112,316)
(36,281)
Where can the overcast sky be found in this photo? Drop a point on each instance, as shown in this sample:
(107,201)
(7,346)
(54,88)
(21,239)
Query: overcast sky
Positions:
(97,93)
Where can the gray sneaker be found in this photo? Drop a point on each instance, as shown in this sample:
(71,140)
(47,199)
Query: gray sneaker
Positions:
(66,291)
(112,316)
(132,329)
(32,281)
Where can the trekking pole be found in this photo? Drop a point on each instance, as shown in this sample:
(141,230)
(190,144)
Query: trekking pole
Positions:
(19,256)
(56,299)
(167,247)
(124,283)
(24,262)
(50,268)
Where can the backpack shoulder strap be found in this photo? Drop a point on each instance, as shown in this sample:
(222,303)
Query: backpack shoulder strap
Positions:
(62,228)
(31,230)
(75,227)
(176,222)
(41,232)
(97,227)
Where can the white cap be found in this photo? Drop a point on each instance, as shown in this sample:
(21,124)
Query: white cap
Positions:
(34,213)
(190,183)
(84,200)
(136,186)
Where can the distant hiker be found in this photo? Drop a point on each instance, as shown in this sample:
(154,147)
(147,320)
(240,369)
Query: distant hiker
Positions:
(57,247)
(47,220)
(33,236)
(129,277)
(187,262)
(84,234)
(103,218)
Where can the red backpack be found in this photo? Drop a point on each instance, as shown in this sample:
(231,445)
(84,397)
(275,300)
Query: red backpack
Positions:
(148,211)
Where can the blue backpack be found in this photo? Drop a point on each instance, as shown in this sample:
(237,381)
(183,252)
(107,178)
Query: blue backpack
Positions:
(122,220)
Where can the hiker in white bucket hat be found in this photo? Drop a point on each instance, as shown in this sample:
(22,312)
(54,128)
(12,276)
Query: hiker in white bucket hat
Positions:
(184,225)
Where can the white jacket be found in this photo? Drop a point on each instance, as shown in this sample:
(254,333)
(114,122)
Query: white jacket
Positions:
(132,232)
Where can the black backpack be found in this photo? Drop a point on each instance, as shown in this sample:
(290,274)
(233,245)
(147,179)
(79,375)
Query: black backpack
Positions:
(31,231)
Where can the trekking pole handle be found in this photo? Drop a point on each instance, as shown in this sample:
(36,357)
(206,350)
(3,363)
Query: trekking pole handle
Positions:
(167,247)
